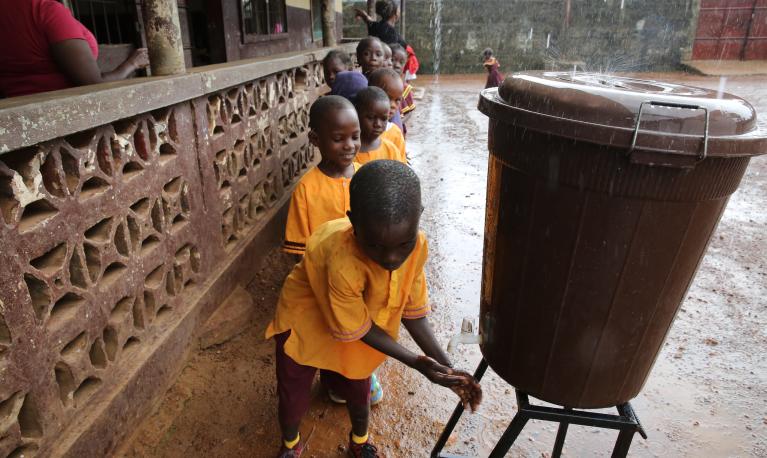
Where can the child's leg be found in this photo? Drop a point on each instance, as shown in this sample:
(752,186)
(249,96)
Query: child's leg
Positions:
(357,395)
(294,382)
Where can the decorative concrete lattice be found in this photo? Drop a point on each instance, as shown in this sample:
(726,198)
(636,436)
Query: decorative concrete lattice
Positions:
(107,235)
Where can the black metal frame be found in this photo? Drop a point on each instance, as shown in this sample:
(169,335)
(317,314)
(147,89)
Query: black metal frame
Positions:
(626,422)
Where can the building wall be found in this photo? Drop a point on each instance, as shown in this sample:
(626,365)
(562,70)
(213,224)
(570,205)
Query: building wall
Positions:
(299,37)
(606,35)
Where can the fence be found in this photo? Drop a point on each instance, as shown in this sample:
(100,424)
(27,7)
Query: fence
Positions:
(127,213)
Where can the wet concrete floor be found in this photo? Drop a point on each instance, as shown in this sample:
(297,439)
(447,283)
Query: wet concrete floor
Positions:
(706,396)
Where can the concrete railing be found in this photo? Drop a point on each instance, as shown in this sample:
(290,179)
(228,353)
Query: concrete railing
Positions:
(128,211)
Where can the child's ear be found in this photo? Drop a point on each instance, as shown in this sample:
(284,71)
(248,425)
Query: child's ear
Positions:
(313,138)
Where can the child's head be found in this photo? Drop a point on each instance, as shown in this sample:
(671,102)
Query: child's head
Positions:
(387,63)
(372,106)
(370,54)
(487,53)
(335,61)
(348,84)
(398,58)
(385,201)
(387,9)
(391,82)
(335,130)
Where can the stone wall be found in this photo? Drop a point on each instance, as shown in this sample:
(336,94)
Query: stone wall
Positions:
(128,211)
(603,35)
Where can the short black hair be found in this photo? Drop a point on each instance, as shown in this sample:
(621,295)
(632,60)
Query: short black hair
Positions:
(376,78)
(369,95)
(324,105)
(365,44)
(337,54)
(396,47)
(385,192)
(386,8)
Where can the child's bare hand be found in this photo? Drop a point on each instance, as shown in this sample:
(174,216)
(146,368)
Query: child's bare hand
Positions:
(436,372)
(469,391)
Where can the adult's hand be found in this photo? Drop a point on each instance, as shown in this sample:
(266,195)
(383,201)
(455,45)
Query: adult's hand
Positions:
(361,14)
(75,59)
(139,58)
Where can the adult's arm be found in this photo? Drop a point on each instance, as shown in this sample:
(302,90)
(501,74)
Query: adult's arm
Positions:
(363,15)
(75,60)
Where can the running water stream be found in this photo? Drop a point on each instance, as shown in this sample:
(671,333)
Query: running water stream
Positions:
(437,8)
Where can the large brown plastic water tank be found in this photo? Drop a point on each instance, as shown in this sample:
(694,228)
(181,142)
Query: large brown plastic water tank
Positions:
(597,219)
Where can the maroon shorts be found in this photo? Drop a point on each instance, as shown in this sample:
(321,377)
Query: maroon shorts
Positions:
(294,383)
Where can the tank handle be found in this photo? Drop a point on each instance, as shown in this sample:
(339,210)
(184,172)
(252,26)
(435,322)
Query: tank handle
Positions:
(701,155)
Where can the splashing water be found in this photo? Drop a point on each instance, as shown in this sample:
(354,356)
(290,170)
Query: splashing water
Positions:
(722,85)
(437,5)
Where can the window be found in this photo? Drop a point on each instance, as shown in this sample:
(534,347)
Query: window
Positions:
(111,21)
(316,20)
(263,18)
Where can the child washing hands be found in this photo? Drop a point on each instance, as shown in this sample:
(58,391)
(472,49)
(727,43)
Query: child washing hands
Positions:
(341,308)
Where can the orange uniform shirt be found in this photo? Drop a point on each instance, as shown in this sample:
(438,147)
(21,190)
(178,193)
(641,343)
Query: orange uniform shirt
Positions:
(316,200)
(394,134)
(331,298)
(387,150)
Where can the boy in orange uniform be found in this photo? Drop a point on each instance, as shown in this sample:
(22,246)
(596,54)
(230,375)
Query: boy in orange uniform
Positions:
(388,80)
(322,194)
(341,307)
(372,106)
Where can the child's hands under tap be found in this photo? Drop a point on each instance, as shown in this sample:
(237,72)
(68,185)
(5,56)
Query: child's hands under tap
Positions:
(469,391)
(436,372)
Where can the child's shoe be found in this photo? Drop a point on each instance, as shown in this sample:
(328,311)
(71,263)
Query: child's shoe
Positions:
(376,390)
(294,452)
(366,450)
(335,398)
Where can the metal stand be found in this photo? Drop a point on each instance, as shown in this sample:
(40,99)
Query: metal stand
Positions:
(626,422)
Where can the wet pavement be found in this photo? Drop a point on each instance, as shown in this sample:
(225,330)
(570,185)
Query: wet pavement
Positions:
(706,396)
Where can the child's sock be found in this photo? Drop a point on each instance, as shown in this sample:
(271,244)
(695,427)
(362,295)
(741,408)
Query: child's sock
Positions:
(359,439)
(291,444)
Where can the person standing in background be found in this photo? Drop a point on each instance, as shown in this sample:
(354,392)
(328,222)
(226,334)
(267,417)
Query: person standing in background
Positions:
(494,77)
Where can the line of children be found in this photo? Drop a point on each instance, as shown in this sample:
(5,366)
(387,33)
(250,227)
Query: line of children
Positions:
(361,272)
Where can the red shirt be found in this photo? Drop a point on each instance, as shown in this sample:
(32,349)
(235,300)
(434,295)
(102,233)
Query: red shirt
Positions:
(27,30)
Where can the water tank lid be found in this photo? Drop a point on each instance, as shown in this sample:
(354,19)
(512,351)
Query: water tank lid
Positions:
(658,123)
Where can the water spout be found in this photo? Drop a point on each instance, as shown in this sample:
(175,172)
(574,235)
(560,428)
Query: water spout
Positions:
(466,336)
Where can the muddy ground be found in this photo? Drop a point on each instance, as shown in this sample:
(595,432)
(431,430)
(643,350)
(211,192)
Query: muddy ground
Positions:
(707,395)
